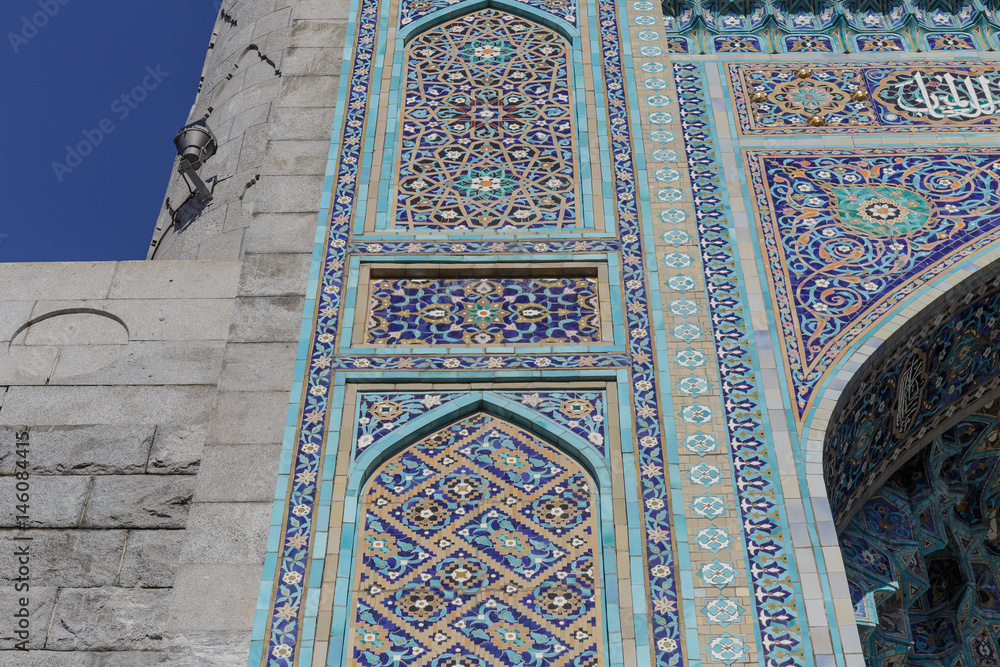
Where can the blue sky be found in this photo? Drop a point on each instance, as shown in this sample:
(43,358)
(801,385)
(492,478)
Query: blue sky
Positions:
(65,83)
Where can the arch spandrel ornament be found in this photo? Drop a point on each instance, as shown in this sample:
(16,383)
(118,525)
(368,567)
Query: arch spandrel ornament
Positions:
(478,546)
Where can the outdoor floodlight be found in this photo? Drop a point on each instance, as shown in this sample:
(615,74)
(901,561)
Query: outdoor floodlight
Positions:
(196,144)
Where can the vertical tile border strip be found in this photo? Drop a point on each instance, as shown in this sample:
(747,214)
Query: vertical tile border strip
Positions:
(780,632)
(291,534)
(658,537)
(278,639)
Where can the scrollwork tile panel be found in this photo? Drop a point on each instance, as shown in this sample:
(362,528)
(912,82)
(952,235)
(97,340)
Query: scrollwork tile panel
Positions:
(851,234)
(897,97)
(482,311)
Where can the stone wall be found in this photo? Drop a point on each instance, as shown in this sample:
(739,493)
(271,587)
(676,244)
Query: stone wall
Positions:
(155,433)
(270,76)
(110,369)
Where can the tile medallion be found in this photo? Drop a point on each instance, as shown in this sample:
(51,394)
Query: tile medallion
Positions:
(850,234)
(479,546)
(486,138)
(483,311)
(898,97)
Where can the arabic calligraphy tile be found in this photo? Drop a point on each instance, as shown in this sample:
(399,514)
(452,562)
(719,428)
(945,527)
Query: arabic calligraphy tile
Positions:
(942,96)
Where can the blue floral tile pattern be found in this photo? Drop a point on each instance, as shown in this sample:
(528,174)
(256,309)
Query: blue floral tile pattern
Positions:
(459,555)
(487,128)
(850,234)
(410,311)
(546,247)
(478,362)
(900,97)
(282,637)
(411,10)
(582,412)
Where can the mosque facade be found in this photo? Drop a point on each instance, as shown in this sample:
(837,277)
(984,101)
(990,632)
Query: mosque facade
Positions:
(569,333)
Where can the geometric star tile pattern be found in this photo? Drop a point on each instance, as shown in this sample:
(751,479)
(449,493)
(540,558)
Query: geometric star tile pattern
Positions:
(487,129)
(479,547)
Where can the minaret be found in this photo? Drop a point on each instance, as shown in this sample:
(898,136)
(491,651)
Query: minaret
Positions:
(263,83)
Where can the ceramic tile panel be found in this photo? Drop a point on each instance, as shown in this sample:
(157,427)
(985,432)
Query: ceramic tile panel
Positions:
(479,544)
(746,253)
(486,138)
(854,98)
(483,311)
(850,234)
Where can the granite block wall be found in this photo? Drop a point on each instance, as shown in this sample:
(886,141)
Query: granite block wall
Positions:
(108,373)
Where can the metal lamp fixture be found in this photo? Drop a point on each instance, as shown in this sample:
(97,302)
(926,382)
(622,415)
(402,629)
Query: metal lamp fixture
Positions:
(196,144)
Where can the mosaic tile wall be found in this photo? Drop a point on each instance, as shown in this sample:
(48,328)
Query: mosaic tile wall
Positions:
(483,312)
(922,554)
(487,129)
(946,366)
(479,545)
(760,223)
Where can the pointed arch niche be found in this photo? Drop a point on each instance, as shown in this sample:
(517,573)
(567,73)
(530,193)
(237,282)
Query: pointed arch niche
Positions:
(484,123)
(485,525)
(477,543)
